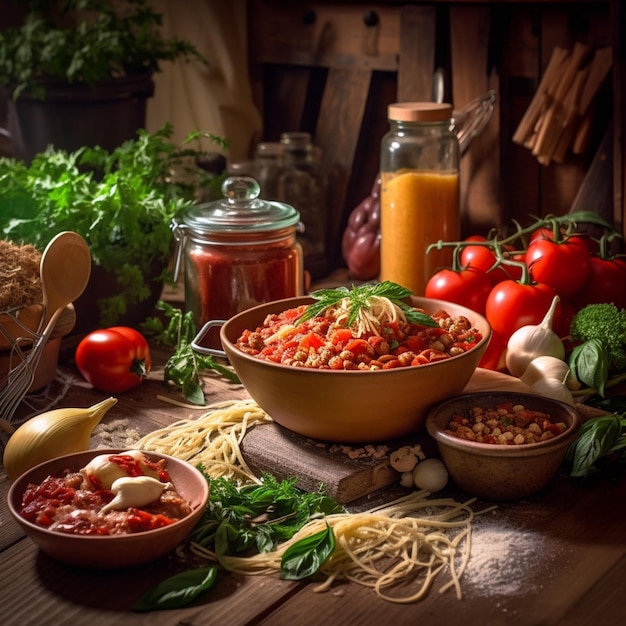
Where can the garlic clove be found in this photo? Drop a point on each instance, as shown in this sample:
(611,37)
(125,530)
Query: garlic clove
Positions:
(101,472)
(545,367)
(135,491)
(555,389)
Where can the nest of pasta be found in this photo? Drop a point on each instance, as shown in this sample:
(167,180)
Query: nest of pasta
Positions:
(20,280)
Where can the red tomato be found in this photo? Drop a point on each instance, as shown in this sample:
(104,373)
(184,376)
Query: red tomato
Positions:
(512,304)
(494,356)
(606,283)
(468,288)
(483,258)
(563,265)
(114,359)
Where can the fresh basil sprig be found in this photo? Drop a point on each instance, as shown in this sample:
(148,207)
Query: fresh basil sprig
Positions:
(597,438)
(360,298)
(589,364)
(177,591)
(305,557)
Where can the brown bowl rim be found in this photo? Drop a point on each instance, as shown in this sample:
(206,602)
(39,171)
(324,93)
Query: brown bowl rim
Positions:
(490,449)
(227,343)
(19,481)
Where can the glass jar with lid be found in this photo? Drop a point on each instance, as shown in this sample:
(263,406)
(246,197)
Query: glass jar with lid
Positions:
(238,252)
(419,166)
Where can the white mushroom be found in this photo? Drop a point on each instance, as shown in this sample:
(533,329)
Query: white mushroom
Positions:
(403,459)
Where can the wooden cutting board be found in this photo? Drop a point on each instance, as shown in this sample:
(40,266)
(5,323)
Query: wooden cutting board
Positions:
(348,472)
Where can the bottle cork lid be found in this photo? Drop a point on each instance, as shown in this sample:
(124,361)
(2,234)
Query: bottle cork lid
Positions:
(420,111)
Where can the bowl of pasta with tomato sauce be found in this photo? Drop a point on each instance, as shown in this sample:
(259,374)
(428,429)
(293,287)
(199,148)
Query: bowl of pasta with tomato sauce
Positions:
(503,445)
(109,508)
(365,368)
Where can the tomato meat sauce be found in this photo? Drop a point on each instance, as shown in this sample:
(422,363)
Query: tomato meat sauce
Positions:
(72,504)
(505,424)
(326,342)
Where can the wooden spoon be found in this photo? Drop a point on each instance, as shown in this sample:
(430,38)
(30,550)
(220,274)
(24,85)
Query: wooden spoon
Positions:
(65,269)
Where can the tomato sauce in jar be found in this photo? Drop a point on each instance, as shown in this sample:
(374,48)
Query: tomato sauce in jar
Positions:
(238,252)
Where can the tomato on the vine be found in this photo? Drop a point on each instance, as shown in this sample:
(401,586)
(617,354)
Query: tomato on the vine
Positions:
(114,359)
(606,282)
(563,265)
(483,257)
(467,287)
(513,304)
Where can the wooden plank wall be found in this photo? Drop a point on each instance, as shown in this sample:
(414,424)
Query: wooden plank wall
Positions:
(333,67)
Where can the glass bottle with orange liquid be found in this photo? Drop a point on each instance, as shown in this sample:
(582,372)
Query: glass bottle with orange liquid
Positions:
(419,194)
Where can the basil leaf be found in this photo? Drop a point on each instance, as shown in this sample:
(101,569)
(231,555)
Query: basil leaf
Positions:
(589,364)
(305,557)
(177,591)
(596,438)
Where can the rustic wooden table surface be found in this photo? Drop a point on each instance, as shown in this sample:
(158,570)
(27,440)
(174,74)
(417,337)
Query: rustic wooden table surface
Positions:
(558,558)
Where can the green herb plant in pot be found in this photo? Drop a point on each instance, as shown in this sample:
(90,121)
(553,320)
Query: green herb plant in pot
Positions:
(79,72)
(122,202)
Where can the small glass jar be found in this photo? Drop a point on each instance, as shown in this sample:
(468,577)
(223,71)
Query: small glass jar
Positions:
(268,159)
(302,183)
(238,252)
(420,192)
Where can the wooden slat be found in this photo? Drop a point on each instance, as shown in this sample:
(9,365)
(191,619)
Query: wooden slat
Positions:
(480,173)
(338,129)
(417,53)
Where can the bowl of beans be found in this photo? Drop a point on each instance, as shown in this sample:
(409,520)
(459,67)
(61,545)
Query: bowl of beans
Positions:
(109,508)
(502,445)
(323,378)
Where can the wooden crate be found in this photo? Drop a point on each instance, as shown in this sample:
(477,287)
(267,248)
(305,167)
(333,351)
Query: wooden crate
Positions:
(333,67)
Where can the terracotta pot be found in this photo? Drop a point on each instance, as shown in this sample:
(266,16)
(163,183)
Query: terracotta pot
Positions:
(103,284)
(46,368)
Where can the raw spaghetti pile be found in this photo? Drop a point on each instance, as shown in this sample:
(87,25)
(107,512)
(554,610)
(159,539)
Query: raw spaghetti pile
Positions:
(213,439)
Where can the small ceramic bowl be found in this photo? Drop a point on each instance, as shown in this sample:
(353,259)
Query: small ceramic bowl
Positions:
(501,472)
(350,405)
(112,551)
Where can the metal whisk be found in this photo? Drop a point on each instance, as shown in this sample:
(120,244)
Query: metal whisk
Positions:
(24,357)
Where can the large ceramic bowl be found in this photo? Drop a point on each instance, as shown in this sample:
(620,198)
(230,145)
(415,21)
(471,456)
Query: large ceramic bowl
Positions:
(502,472)
(350,406)
(112,551)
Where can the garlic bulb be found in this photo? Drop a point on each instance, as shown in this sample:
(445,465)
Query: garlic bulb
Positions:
(553,388)
(532,341)
(51,434)
(430,475)
(135,491)
(545,367)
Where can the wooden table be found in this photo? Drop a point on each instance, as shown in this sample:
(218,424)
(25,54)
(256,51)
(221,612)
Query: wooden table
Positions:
(559,558)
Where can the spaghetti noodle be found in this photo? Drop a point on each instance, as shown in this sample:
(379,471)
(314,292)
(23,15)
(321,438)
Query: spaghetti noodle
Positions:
(213,439)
